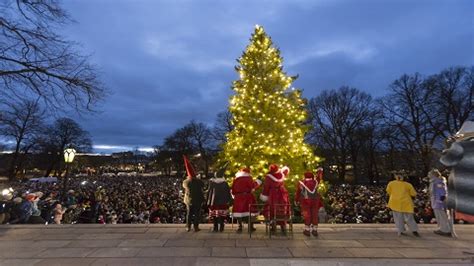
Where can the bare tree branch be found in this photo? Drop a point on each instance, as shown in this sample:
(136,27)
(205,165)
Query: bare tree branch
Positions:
(37,61)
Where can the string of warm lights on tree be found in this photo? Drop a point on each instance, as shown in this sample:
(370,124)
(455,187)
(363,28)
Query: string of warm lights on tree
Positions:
(268,114)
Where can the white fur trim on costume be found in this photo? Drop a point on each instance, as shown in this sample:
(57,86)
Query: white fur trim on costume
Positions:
(243,214)
(241,173)
(275,179)
(259,182)
(263,197)
(285,169)
(309,190)
(218,180)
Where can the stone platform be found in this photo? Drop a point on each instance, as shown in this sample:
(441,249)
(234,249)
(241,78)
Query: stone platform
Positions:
(363,244)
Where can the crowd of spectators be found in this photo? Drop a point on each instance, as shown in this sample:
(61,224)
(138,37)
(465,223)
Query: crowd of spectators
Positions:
(139,199)
(133,199)
(368,204)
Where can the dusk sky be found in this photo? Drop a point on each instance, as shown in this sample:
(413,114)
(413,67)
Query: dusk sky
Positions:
(168,62)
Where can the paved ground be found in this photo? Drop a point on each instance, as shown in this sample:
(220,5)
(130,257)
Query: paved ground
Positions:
(171,245)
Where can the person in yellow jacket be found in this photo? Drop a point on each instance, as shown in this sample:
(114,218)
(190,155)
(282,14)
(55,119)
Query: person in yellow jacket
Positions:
(401,204)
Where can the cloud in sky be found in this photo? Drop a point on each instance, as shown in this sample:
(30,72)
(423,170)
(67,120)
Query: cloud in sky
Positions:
(167,62)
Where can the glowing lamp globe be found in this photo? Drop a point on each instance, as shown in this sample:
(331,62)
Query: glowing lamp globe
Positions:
(69,154)
(5,192)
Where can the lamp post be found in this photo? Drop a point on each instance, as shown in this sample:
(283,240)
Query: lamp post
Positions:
(69,154)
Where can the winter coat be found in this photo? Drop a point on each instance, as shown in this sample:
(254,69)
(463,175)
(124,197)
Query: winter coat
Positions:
(193,191)
(438,192)
(401,194)
(307,193)
(275,195)
(6,206)
(26,209)
(15,213)
(36,211)
(218,193)
(242,189)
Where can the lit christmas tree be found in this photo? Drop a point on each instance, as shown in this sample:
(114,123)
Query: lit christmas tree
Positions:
(268,116)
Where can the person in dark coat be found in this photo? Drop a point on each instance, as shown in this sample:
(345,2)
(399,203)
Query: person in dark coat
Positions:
(218,199)
(26,208)
(16,211)
(193,197)
(6,205)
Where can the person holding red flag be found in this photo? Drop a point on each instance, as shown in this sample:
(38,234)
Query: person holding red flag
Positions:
(275,196)
(310,201)
(242,189)
(193,197)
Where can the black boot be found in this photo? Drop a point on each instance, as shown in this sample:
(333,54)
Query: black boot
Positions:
(215,229)
(251,224)
(221,223)
(272,227)
(239,230)
(283,229)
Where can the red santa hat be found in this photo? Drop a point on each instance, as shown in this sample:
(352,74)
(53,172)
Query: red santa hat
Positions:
(189,167)
(245,169)
(309,175)
(273,168)
(243,172)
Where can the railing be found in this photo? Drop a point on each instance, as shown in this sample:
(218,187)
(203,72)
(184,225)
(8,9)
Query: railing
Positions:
(276,213)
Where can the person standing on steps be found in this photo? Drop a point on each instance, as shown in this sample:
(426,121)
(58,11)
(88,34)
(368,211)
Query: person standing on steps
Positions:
(276,198)
(401,204)
(218,199)
(308,197)
(193,197)
(242,189)
(438,195)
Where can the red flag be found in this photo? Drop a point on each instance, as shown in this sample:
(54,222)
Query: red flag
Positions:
(189,167)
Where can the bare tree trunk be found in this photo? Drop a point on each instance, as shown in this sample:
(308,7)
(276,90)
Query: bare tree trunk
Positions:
(13,163)
(53,166)
(426,159)
(341,171)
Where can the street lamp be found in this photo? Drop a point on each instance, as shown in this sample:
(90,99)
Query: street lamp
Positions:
(69,154)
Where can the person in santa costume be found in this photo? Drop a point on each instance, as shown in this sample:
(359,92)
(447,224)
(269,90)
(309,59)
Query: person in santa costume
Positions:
(242,189)
(310,201)
(218,199)
(275,196)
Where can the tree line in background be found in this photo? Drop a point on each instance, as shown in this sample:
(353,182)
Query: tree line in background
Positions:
(361,138)
(403,130)
(38,63)
(26,126)
(41,74)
